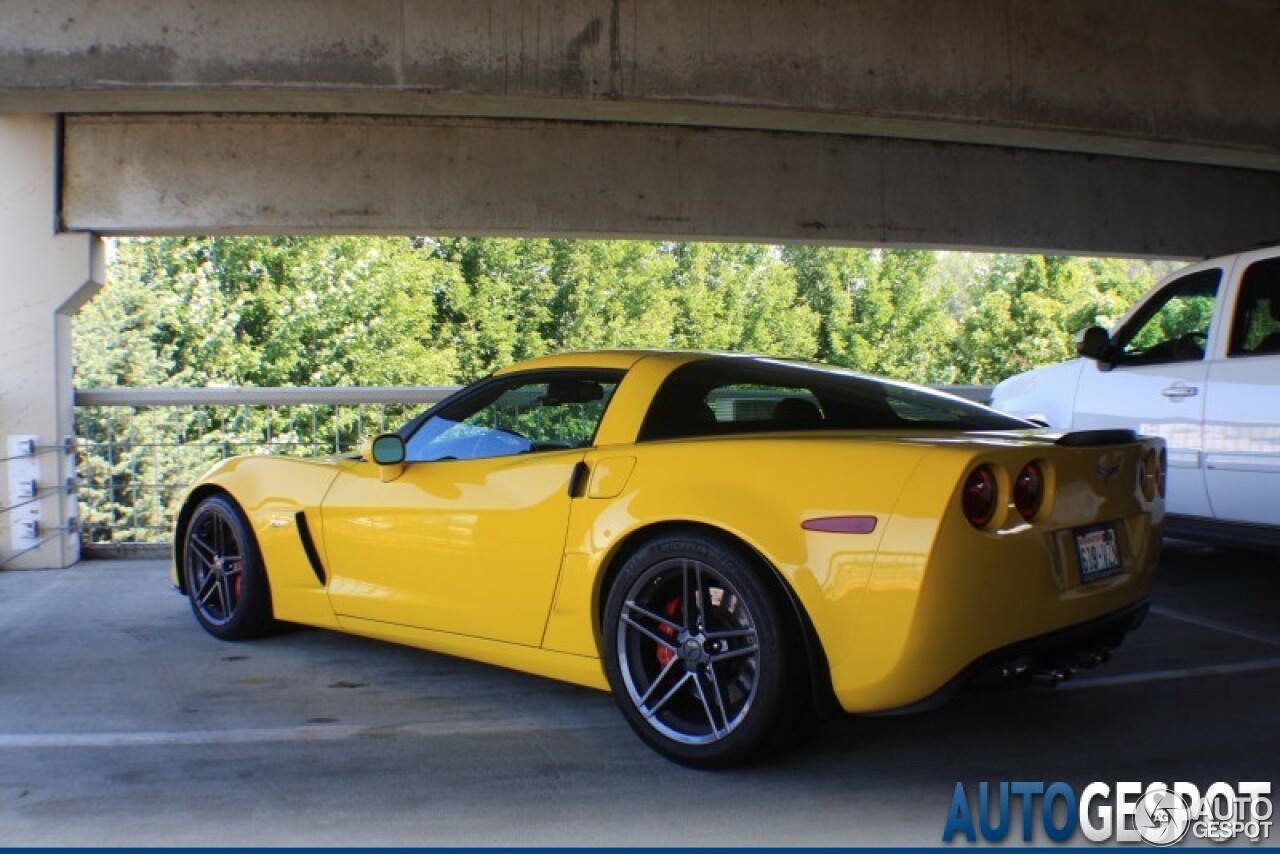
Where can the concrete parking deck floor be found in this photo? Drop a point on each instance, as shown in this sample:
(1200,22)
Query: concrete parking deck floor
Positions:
(123,723)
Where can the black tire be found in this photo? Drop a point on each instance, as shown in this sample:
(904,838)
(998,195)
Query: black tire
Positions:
(703,658)
(226,583)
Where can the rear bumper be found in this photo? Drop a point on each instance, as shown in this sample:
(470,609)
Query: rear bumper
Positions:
(1081,645)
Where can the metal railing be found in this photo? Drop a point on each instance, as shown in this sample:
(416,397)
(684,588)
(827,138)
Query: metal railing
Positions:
(140,448)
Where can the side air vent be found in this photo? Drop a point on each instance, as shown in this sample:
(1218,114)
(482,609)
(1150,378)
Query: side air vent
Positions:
(1094,438)
(309,546)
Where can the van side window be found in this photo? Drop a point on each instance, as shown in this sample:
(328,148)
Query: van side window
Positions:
(1255,329)
(1174,325)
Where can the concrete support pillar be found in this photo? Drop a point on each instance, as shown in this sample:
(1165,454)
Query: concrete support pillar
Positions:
(44,279)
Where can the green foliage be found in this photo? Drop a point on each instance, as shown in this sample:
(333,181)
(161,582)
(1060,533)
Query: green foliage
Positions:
(1024,311)
(334,311)
(281,311)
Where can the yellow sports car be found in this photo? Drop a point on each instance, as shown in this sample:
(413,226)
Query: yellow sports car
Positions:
(730,544)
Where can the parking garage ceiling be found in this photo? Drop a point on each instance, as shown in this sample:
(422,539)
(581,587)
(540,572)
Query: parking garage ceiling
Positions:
(1128,128)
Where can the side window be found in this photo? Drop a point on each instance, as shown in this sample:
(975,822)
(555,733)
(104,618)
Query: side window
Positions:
(1255,330)
(913,408)
(1174,325)
(517,415)
(775,407)
(696,403)
(722,396)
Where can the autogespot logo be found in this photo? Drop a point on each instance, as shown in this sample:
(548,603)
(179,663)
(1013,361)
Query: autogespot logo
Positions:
(1162,817)
(1157,814)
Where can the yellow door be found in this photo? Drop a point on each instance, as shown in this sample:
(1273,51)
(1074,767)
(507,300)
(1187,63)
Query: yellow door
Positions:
(471,547)
(469,537)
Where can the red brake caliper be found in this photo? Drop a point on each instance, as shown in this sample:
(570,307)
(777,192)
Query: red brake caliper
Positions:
(665,655)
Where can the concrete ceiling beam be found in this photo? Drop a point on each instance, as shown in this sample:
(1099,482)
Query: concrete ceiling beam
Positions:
(1183,80)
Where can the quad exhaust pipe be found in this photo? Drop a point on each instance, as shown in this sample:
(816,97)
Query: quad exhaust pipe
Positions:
(1048,671)
(1051,673)
(1048,677)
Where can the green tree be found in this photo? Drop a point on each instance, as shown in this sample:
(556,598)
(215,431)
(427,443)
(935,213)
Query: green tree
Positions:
(612,294)
(500,311)
(281,311)
(1026,310)
(826,280)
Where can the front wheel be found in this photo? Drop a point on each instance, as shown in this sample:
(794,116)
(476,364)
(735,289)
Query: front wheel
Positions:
(225,579)
(700,654)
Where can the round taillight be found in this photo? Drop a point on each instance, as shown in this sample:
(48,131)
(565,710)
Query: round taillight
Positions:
(978,499)
(1028,490)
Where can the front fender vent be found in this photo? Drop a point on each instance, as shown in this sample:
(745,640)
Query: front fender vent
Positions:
(309,546)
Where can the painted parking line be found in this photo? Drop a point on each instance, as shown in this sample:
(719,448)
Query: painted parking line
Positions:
(333,732)
(175,738)
(272,735)
(1215,625)
(1173,674)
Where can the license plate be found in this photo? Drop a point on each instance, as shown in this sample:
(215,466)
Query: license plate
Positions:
(1099,556)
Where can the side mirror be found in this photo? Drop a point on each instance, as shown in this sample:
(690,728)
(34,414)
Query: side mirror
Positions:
(387,451)
(1094,343)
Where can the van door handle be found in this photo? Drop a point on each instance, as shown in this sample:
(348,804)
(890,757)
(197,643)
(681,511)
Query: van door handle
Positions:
(1176,391)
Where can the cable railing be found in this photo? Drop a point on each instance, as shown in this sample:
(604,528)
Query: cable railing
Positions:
(35,473)
(140,448)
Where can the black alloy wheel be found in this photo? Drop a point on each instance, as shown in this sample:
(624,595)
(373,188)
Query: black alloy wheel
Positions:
(700,654)
(225,580)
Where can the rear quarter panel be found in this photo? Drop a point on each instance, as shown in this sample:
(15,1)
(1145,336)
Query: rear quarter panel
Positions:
(757,490)
(901,611)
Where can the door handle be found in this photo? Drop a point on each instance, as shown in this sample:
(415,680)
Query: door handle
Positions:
(1176,391)
(578,480)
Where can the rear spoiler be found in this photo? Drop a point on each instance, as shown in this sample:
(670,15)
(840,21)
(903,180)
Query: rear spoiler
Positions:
(1094,438)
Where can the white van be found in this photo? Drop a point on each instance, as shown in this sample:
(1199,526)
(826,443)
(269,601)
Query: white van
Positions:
(1197,362)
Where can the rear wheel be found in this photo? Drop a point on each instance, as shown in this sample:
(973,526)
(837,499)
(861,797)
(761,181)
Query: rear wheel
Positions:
(700,653)
(225,580)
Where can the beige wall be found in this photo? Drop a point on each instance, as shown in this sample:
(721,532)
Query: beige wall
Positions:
(44,278)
